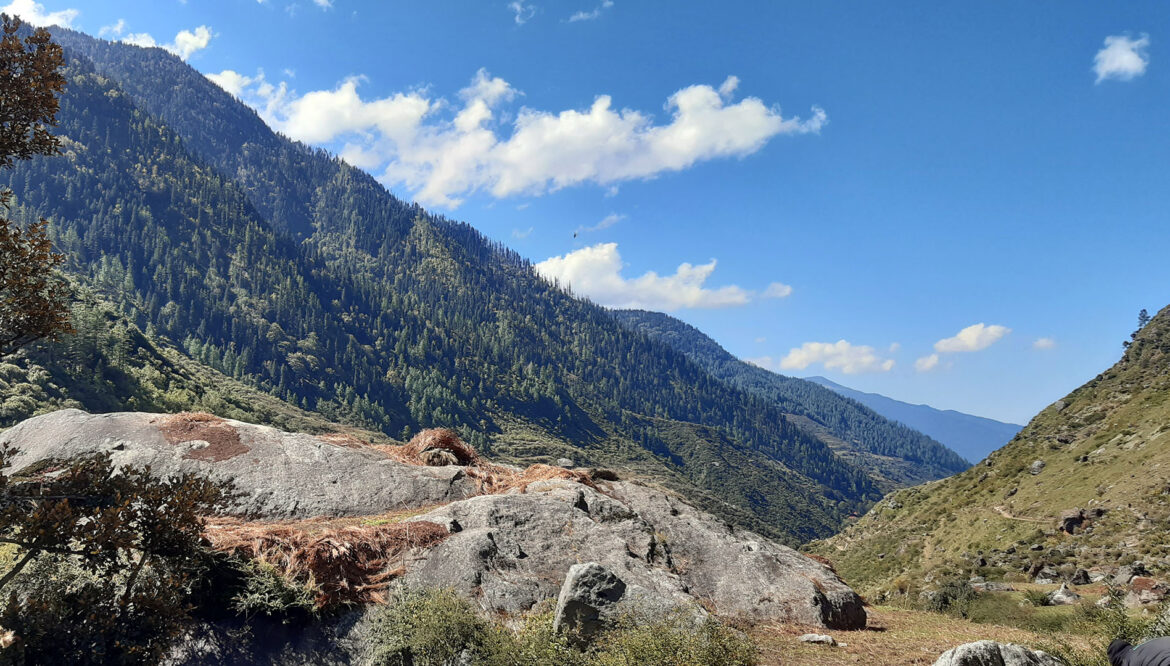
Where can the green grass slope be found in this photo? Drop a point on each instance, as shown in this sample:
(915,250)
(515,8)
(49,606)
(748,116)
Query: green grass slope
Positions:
(1104,446)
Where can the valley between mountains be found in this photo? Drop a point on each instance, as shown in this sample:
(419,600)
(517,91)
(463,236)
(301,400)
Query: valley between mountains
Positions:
(299,420)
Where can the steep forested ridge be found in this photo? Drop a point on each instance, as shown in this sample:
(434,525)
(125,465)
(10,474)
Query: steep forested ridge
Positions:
(900,454)
(290,271)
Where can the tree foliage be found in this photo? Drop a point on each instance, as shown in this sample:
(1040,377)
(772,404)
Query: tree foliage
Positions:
(132,541)
(33,300)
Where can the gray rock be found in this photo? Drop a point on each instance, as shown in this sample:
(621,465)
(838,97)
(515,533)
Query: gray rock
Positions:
(1047,576)
(506,552)
(514,550)
(566,463)
(1080,577)
(279,474)
(820,639)
(1036,467)
(990,653)
(1063,596)
(1070,520)
(591,600)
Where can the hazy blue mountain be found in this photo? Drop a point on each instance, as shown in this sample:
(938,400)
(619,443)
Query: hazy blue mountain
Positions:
(973,437)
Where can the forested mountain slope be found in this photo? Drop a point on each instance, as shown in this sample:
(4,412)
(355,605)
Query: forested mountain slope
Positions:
(1102,454)
(292,272)
(900,455)
(972,437)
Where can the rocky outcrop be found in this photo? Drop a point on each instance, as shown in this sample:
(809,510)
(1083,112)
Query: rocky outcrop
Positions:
(1063,596)
(505,551)
(593,599)
(277,474)
(990,653)
(510,551)
(1144,591)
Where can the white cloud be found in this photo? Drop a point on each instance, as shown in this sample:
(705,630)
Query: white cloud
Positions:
(592,14)
(761,340)
(848,358)
(185,44)
(777,290)
(521,12)
(605,223)
(894,347)
(1044,343)
(972,339)
(114,29)
(1122,58)
(231,81)
(323,4)
(926,363)
(443,152)
(520,235)
(596,272)
(34,12)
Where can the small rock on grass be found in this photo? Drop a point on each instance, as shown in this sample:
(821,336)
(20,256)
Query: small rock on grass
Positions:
(820,639)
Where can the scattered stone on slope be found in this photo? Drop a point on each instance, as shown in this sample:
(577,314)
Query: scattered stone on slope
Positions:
(1144,590)
(1037,467)
(1070,520)
(991,653)
(278,474)
(1063,596)
(819,639)
(1048,575)
(1080,577)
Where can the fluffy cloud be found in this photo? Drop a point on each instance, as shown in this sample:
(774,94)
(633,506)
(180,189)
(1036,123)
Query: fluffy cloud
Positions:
(521,12)
(34,13)
(848,358)
(443,152)
(777,290)
(596,272)
(972,339)
(926,363)
(185,44)
(592,14)
(1122,58)
(1044,343)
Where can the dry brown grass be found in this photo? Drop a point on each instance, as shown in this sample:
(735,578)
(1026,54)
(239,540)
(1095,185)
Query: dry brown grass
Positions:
(441,438)
(339,562)
(223,442)
(895,637)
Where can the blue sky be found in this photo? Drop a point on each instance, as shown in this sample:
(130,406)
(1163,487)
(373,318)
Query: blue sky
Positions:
(938,185)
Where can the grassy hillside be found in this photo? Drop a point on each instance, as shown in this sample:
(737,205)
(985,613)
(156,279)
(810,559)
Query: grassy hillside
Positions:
(1104,446)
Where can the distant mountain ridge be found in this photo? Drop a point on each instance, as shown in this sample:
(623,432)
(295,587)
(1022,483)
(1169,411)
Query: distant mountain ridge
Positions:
(972,437)
(897,454)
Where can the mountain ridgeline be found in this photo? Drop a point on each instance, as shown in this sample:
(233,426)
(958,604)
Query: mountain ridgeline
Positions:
(896,454)
(972,437)
(298,276)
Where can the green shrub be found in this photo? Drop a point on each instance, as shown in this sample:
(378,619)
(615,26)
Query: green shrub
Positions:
(424,628)
(953,597)
(534,643)
(1036,597)
(264,591)
(675,642)
(1101,626)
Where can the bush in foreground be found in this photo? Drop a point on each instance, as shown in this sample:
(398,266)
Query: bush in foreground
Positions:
(438,628)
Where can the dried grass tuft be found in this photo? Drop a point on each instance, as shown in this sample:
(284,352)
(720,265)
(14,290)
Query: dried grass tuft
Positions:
(348,564)
(441,438)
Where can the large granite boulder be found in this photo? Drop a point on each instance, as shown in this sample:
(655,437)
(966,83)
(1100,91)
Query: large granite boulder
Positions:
(278,474)
(510,551)
(990,653)
(506,551)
